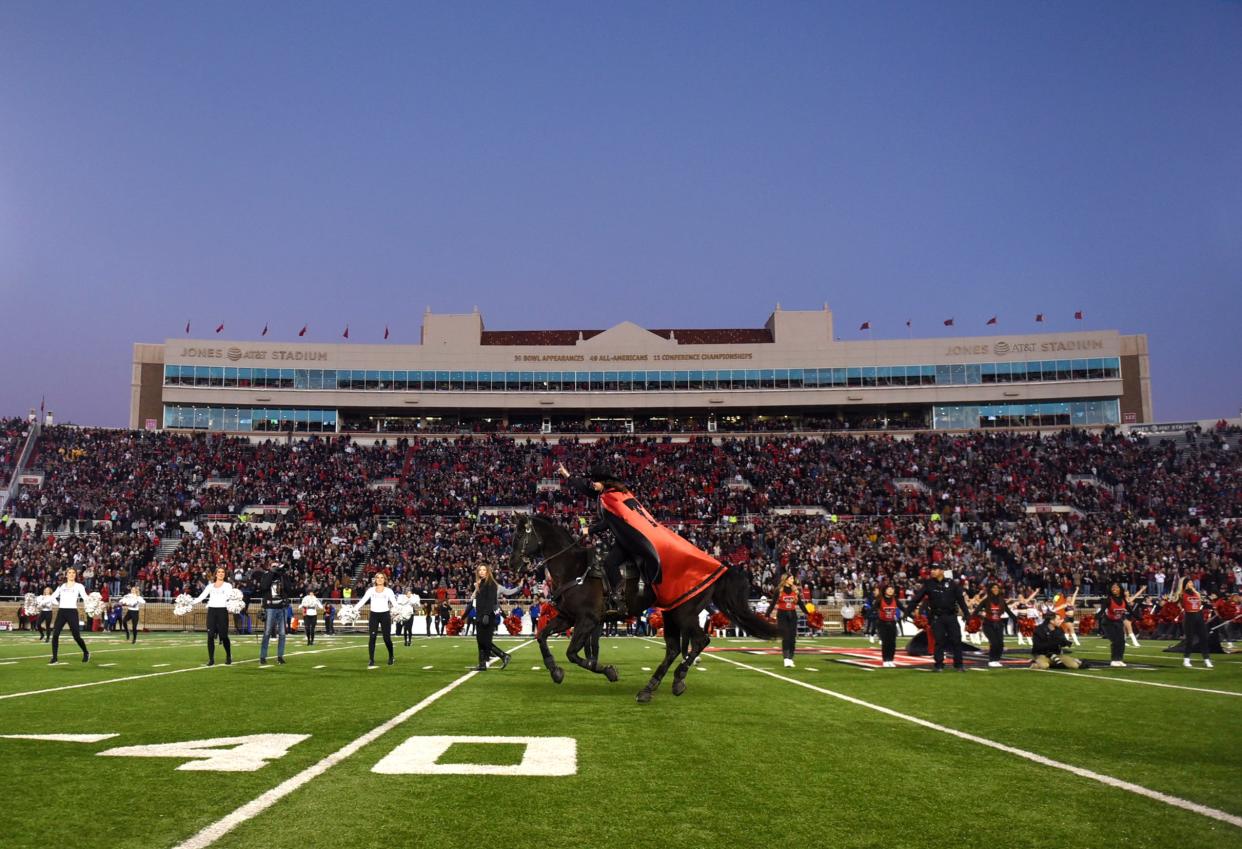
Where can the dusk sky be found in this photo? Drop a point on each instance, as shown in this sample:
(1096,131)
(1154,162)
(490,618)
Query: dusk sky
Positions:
(567,165)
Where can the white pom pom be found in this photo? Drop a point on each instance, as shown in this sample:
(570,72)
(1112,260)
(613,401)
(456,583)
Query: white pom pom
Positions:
(183,604)
(95,607)
(236,602)
(847,612)
(30,605)
(403,612)
(348,615)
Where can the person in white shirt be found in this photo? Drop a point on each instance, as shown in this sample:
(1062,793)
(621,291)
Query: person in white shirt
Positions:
(45,603)
(133,605)
(382,602)
(217,595)
(407,627)
(66,597)
(311,606)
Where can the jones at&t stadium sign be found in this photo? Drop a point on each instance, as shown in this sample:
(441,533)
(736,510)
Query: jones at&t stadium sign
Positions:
(1004,349)
(237,354)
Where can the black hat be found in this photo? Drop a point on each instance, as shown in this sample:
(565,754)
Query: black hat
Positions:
(602,474)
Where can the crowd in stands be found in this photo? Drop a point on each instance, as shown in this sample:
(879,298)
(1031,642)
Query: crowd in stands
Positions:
(415,507)
(12,436)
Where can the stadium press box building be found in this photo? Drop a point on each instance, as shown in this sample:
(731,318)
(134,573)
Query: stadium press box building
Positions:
(792,372)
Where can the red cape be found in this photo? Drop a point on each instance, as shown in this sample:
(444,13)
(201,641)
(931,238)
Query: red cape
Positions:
(684,569)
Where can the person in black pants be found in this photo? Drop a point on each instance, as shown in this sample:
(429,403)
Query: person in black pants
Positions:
(786,604)
(275,600)
(1194,627)
(486,600)
(887,615)
(45,604)
(217,596)
(133,607)
(383,600)
(944,598)
(992,609)
(1112,615)
(68,595)
(1049,645)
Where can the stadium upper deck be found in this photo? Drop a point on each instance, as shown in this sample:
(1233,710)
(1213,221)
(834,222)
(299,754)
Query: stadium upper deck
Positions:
(792,369)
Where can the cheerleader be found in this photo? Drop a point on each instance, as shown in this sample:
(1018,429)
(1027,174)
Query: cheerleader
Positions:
(66,598)
(887,614)
(788,601)
(217,595)
(1113,614)
(382,602)
(310,610)
(992,608)
(1193,624)
(1128,622)
(45,604)
(132,604)
(1065,606)
(407,627)
(870,614)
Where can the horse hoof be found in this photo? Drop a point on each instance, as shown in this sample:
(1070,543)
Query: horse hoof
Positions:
(679,687)
(558,675)
(610,672)
(644,696)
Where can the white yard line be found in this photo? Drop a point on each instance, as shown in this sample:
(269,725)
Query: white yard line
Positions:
(143,647)
(1108,780)
(156,674)
(1086,677)
(253,808)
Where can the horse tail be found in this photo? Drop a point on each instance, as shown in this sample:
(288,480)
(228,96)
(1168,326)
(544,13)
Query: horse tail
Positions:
(732,596)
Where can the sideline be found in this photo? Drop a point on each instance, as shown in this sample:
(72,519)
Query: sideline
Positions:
(1174,801)
(256,806)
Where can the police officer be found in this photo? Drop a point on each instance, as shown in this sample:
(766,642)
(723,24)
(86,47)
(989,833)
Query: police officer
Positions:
(944,598)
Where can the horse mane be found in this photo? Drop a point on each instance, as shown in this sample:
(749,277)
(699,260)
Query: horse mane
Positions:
(562,536)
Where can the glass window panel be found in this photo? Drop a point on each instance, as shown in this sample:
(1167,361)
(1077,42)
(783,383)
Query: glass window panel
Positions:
(868,376)
(797,377)
(944,374)
(853,377)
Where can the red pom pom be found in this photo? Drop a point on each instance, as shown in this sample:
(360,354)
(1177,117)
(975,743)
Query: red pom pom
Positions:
(1087,625)
(546,614)
(1170,612)
(920,621)
(1147,622)
(815,621)
(454,626)
(718,621)
(974,625)
(656,621)
(513,624)
(1026,626)
(854,625)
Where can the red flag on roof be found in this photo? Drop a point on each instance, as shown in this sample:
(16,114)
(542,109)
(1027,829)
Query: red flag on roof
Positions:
(302,332)
(346,333)
(220,327)
(907,322)
(866,325)
(1078,315)
(264,333)
(948,322)
(385,331)
(992,320)
(1039,316)
(187,327)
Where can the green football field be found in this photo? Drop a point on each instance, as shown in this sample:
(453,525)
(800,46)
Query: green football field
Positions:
(323,751)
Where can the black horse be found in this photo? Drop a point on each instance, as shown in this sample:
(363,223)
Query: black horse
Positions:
(684,636)
(568,565)
(577,593)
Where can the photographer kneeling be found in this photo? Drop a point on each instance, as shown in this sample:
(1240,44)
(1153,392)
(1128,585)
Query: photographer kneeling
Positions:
(1048,642)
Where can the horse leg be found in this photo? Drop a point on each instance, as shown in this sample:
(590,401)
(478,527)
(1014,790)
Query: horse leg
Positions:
(698,640)
(556,626)
(672,648)
(609,671)
(586,633)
